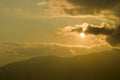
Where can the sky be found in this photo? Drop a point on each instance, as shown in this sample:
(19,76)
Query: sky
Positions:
(32,21)
(61,21)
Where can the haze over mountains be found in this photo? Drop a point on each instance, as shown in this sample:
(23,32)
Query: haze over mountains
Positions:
(12,52)
(95,66)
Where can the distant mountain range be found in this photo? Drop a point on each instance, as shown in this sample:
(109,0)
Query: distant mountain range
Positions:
(12,52)
(94,66)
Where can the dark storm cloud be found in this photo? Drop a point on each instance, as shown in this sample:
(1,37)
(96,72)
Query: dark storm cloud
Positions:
(99,30)
(103,4)
(114,38)
(108,8)
(112,34)
(91,29)
(93,7)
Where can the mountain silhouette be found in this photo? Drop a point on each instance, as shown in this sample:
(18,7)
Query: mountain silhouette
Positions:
(14,52)
(94,66)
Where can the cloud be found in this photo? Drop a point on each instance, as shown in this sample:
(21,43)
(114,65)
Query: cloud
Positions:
(104,8)
(25,8)
(111,35)
(35,49)
(43,3)
(107,9)
(92,7)
(99,30)
(114,38)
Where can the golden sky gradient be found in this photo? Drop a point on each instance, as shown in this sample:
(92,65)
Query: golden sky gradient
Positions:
(40,21)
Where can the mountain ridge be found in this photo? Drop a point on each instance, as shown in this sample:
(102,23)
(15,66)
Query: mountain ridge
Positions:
(97,66)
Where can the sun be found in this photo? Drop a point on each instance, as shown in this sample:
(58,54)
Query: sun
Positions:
(82,35)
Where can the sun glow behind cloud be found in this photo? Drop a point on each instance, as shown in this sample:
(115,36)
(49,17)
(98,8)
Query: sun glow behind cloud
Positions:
(82,35)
